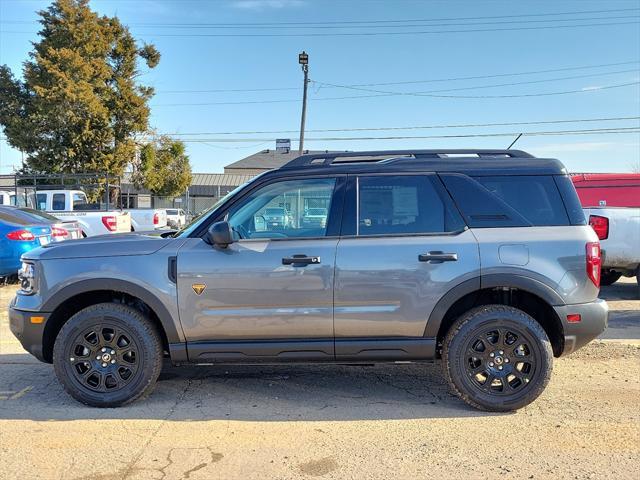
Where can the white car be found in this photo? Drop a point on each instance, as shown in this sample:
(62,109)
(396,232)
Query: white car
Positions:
(72,205)
(176,217)
(147,219)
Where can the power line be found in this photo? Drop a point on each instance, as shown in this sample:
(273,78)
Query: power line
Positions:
(370,34)
(391,94)
(414,127)
(407,82)
(355,22)
(595,131)
(528,82)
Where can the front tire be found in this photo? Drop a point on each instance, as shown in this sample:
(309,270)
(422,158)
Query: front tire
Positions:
(108,355)
(497,358)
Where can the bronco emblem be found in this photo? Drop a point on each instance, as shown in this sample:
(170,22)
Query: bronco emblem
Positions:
(198,288)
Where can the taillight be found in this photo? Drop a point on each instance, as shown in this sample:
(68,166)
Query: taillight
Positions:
(58,232)
(600,225)
(21,236)
(156,218)
(110,222)
(594,262)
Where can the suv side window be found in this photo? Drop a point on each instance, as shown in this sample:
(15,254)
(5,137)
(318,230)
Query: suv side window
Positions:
(281,210)
(404,204)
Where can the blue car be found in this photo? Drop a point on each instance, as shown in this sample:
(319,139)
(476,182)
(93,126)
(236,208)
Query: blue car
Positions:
(19,233)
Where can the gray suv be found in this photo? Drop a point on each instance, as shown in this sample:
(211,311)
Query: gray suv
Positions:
(480,258)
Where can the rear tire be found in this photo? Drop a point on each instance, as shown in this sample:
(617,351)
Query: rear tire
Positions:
(497,358)
(609,277)
(108,355)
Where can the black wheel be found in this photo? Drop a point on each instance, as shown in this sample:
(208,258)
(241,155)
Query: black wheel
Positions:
(609,277)
(497,358)
(108,355)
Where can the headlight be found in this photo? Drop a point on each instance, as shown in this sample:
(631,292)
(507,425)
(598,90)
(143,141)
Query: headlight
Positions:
(27,276)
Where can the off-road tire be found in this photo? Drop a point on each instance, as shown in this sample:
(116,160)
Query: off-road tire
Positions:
(475,323)
(142,335)
(609,277)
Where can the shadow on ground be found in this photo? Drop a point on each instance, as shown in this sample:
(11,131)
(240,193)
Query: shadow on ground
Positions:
(248,393)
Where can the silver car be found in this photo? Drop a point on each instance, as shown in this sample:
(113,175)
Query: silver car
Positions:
(481,259)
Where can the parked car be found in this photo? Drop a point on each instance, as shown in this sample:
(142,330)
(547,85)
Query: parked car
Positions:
(147,219)
(72,205)
(176,217)
(275,218)
(611,204)
(60,231)
(19,234)
(482,259)
(314,217)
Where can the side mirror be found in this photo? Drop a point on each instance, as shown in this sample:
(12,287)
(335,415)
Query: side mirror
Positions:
(220,234)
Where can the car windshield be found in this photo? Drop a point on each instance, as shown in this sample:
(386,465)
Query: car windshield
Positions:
(274,211)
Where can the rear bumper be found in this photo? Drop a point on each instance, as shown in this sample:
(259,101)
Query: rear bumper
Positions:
(29,334)
(593,321)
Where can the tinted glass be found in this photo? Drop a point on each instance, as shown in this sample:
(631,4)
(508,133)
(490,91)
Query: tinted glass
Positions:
(41,201)
(397,205)
(9,215)
(172,212)
(79,199)
(278,210)
(57,203)
(37,216)
(571,200)
(535,197)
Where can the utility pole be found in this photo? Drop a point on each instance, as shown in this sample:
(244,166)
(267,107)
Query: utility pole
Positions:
(303,60)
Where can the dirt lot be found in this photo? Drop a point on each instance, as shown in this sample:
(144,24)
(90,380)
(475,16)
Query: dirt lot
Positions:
(392,421)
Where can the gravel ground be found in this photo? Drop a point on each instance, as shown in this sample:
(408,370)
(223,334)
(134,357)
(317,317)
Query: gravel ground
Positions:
(389,421)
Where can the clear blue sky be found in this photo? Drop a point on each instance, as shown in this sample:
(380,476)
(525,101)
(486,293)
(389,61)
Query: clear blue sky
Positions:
(513,39)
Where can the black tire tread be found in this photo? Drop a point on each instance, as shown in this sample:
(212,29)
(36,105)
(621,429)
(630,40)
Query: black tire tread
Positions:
(463,321)
(136,317)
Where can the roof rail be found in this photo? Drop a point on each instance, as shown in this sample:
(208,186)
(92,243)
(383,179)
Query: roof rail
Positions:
(327,158)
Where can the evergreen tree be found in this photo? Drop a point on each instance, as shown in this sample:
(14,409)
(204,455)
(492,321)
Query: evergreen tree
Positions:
(79,107)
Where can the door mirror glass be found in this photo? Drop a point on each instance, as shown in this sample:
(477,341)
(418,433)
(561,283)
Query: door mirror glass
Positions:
(220,234)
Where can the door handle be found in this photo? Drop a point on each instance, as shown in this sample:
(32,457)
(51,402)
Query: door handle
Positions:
(300,260)
(438,257)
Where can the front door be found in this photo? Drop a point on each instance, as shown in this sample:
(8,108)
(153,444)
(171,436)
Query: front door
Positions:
(270,294)
(404,247)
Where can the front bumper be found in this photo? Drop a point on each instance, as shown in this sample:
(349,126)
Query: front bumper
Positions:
(594,318)
(29,334)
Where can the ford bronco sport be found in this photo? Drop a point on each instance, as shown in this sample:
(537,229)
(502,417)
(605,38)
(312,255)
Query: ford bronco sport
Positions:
(480,258)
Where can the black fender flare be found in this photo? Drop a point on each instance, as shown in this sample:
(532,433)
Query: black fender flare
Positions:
(113,284)
(521,282)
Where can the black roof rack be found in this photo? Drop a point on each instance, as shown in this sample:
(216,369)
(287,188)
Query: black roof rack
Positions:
(328,158)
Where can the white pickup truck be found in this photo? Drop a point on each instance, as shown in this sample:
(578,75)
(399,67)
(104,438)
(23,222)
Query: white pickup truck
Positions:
(147,219)
(618,229)
(68,205)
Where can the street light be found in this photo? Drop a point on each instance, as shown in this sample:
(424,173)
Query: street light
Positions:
(303,60)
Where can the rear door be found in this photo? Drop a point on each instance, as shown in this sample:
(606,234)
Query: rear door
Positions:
(403,247)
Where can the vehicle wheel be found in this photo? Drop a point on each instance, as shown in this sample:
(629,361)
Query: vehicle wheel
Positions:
(108,355)
(609,277)
(497,358)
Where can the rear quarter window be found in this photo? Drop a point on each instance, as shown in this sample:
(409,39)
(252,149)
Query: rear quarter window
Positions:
(507,200)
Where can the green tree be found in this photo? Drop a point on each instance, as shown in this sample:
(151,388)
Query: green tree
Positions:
(79,107)
(163,167)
